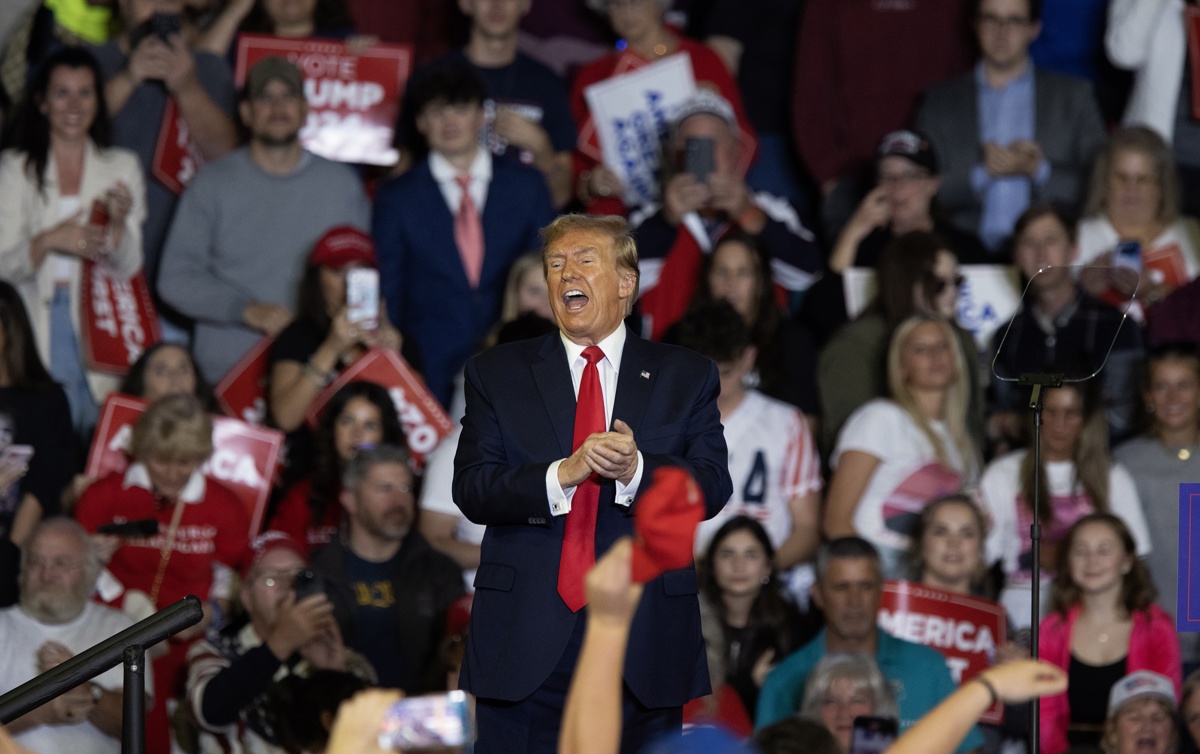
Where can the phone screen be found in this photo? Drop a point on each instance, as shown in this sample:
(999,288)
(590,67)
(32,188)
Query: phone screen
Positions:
(872,735)
(362,296)
(698,158)
(436,721)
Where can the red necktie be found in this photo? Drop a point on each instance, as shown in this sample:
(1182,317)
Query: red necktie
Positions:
(468,233)
(579,536)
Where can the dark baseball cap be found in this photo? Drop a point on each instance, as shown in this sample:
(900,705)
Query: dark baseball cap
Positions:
(910,145)
(273,67)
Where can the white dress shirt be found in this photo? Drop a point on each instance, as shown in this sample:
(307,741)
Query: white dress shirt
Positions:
(609,368)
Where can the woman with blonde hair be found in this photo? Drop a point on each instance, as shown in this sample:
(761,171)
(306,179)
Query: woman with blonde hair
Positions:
(1077,478)
(202,537)
(895,454)
(1134,196)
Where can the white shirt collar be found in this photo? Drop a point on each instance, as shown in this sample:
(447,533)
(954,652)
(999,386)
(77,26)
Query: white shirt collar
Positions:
(480,170)
(613,346)
(137,476)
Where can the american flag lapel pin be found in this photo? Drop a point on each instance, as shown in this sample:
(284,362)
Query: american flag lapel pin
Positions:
(645,375)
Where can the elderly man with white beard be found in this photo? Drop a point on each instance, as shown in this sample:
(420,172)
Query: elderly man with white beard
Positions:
(54,621)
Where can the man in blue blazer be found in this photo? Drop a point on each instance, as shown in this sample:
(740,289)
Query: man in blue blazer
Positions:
(516,472)
(431,294)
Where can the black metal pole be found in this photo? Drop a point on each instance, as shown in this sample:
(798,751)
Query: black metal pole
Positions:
(133,701)
(1035,541)
(92,662)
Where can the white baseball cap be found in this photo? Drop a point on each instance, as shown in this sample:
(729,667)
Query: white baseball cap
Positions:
(1140,684)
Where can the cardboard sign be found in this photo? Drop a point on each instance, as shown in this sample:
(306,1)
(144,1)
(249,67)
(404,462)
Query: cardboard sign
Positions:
(421,416)
(242,393)
(630,113)
(118,319)
(177,159)
(353,100)
(989,297)
(966,630)
(243,459)
(1187,606)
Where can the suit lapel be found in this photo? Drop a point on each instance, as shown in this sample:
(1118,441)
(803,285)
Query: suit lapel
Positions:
(553,379)
(635,383)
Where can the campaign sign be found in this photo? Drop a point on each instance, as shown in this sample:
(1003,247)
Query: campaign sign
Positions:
(353,100)
(989,297)
(118,319)
(630,113)
(177,159)
(242,392)
(243,459)
(421,416)
(966,630)
(1187,606)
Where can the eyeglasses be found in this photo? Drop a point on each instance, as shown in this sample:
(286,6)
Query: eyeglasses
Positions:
(1002,23)
(272,579)
(888,179)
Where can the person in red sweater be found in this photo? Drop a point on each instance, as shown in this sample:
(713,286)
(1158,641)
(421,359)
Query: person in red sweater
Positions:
(203,535)
(640,25)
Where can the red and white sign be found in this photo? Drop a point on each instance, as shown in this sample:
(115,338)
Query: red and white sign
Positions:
(353,100)
(118,316)
(966,630)
(177,159)
(242,393)
(421,416)
(243,459)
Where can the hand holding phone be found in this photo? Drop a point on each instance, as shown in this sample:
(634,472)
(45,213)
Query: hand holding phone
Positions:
(699,157)
(872,735)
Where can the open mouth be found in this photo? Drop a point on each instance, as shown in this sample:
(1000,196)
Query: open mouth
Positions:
(575,299)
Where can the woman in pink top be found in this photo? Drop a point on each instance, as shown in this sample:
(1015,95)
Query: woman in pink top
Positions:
(1103,625)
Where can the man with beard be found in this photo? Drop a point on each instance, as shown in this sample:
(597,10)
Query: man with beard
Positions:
(237,246)
(390,589)
(54,621)
(848,591)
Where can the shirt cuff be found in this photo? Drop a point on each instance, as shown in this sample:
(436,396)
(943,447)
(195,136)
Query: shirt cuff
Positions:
(559,499)
(626,493)
(980,178)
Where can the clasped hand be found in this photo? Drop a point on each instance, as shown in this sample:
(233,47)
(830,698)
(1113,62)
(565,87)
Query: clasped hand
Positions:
(612,455)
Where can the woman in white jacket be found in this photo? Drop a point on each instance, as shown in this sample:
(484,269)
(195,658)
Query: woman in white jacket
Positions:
(60,163)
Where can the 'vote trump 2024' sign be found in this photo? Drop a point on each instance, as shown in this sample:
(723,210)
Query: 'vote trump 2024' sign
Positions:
(353,99)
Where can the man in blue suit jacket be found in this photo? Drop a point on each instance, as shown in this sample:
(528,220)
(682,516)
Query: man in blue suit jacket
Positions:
(430,296)
(515,471)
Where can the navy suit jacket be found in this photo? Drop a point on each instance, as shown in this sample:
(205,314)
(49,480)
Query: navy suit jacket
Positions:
(520,416)
(421,272)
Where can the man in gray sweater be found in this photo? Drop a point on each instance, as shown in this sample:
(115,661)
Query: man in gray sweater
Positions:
(236,250)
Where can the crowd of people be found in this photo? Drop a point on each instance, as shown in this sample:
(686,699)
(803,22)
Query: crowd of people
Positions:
(866,443)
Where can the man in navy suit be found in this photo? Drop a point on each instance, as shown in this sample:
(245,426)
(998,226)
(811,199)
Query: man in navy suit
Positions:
(517,472)
(433,296)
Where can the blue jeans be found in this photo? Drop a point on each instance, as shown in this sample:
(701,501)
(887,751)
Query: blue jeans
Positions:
(66,363)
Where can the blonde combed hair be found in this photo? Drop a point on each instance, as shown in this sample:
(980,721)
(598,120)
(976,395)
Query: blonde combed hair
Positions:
(956,394)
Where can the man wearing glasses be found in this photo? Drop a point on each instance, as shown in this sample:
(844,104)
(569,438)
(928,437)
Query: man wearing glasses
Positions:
(1008,134)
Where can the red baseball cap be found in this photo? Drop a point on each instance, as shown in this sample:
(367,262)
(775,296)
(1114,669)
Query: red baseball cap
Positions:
(267,542)
(664,523)
(343,245)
